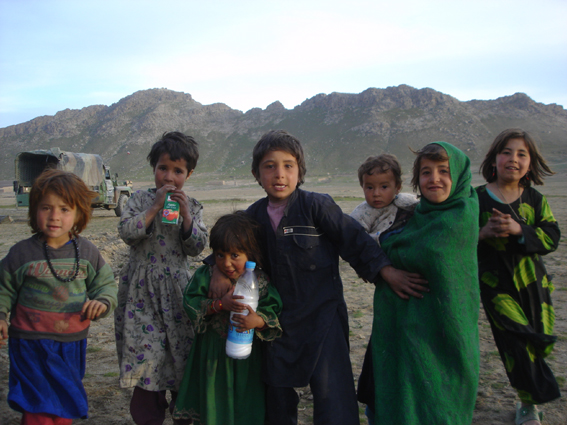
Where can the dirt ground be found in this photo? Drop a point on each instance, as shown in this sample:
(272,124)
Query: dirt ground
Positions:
(109,403)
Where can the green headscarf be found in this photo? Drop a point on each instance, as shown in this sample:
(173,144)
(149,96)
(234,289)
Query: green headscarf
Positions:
(425,351)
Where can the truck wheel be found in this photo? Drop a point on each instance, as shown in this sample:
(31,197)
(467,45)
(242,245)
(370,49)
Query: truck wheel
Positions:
(121,205)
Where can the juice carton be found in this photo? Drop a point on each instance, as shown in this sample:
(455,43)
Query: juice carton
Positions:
(170,211)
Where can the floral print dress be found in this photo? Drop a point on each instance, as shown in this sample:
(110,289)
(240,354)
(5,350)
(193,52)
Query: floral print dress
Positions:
(153,332)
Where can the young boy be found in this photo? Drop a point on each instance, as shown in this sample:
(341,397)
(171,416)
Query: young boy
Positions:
(384,213)
(304,235)
(385,207)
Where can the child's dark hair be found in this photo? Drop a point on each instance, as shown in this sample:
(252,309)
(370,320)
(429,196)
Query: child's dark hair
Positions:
(538,169)
(70,188)
(178,146)
(381,164)
(433,152)
(278,140)
(237,231)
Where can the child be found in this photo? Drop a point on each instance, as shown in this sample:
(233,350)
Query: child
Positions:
(215,388)
(517,227)
(385,212)
(425,353)
(153,333)
(54,284)
(304,235)
(385,207)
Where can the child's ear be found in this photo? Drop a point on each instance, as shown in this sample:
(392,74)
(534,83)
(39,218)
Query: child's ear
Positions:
(189,174)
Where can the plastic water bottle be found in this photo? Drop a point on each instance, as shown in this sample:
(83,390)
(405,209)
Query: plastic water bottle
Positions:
(239,344)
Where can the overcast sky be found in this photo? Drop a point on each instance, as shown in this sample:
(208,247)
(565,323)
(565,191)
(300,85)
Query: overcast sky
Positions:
(58,54)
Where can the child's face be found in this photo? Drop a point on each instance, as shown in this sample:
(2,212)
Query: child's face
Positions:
(513,162)
(171,173)
(435,180)
(231,264)
(380,189)
(279,174)
(55,219)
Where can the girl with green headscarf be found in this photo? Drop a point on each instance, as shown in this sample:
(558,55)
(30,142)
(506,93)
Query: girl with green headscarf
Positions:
(425,352)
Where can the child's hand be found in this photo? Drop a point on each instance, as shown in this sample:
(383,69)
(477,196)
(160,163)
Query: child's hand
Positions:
(181,198)
(230,303)
(504,225)
(161,194)
(500,225)
(251,321)
(220,284)
(3,332)
(92,309)
(404,283)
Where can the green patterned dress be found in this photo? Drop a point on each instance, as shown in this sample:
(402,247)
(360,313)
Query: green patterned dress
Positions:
(218,390)
(516,293)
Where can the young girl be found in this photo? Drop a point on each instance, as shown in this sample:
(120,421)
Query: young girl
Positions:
(517,227)
(218,390)
(54,284)
(153,333)
(425,351)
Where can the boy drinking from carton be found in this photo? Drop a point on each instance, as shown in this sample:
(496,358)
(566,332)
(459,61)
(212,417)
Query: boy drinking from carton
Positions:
(304,235)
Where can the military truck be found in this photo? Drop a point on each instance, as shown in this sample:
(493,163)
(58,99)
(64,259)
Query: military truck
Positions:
(89,167)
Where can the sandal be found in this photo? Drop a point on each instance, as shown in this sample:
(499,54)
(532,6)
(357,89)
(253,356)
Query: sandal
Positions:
(527,413)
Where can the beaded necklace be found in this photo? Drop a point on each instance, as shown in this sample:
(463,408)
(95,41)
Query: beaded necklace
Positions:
(77,256)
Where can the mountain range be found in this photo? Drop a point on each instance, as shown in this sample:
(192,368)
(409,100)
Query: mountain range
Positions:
(338,130)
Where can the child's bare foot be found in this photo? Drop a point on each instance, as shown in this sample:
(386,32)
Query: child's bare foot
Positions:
(527,414)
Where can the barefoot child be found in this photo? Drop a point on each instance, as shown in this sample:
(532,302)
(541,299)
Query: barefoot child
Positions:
(54,284)
(218,390)
(517,228)
(425,353)
(304,233)
(153,333)
(385,212)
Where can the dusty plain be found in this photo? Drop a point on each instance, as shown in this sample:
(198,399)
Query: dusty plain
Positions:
(109,403)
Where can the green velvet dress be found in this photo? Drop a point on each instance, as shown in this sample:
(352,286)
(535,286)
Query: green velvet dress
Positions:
(426,351)
(216,389)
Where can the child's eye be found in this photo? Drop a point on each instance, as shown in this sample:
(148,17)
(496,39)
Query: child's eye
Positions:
(235,256)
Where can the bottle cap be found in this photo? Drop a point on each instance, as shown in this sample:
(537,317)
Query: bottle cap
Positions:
(250,265)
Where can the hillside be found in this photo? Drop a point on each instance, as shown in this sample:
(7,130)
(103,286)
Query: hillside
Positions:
(338,130)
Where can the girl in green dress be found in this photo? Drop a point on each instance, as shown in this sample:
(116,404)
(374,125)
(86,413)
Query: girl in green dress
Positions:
(216,389)
(425,352)
(517,228)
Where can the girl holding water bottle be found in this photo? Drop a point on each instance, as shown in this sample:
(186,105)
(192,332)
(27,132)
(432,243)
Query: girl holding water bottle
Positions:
(217,389)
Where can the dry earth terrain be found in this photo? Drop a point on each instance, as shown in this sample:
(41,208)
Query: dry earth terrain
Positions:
(109,403)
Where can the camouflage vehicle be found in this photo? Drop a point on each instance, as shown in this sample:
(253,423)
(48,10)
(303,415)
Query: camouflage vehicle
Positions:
(89,167)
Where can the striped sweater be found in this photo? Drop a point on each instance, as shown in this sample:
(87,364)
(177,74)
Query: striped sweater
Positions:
(43,307)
